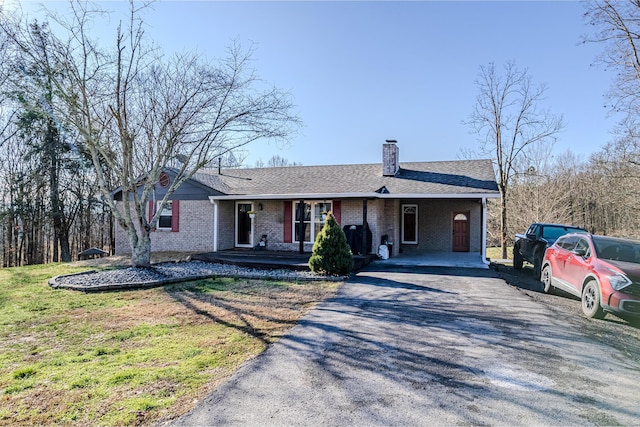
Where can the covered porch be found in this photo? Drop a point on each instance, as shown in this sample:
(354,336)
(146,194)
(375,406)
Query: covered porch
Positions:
(296,261)
(270,259)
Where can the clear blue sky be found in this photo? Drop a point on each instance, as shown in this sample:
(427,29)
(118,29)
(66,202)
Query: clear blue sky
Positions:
(363,72)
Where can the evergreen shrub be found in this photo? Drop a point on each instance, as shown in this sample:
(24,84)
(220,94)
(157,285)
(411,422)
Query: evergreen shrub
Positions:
(331,254)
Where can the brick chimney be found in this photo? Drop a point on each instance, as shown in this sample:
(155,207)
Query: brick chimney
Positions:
(390,158)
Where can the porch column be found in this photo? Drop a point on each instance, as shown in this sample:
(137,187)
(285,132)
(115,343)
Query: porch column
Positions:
(215,225)
(301,225)
(484,231)
(215,204)
(365,227)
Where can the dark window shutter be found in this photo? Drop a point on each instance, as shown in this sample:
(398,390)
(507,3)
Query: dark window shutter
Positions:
(288,226)
(337,211)
(175,215)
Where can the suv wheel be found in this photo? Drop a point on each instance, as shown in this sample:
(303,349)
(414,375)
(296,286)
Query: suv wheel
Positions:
(591,301)
(546,279)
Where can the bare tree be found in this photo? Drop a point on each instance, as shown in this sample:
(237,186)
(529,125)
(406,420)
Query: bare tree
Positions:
(137,109)
(617,25)
(508,120)
(276,161)
(6,114)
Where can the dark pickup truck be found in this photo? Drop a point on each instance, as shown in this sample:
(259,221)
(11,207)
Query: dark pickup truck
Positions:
(530,246)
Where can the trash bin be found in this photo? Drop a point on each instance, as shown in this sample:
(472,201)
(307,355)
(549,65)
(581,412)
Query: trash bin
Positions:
(383,252)
(354,234)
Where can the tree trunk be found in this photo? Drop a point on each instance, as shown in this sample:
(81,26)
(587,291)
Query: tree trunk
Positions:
(112,234)
(141,255)
(65,251)
(8,261)
(503,222)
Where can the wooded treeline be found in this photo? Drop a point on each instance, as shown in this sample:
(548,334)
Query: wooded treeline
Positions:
(600,193)
(81,116)
(49,205)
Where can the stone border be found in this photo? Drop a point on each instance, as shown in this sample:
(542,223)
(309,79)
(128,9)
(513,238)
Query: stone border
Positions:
(54,282)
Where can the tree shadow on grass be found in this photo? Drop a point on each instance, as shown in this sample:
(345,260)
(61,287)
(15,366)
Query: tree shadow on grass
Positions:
(257,313)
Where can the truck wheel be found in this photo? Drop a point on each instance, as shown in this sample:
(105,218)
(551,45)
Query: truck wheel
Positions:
(517,259)
(591,301)
(537,265)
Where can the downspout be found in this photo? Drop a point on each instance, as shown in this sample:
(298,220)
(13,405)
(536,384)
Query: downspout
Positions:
(484,231)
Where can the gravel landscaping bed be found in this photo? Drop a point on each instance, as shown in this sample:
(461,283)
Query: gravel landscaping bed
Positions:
(172,272)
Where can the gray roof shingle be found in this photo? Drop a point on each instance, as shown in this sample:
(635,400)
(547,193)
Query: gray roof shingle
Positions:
(415,178)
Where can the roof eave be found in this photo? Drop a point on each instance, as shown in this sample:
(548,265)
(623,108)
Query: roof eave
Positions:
(372,195)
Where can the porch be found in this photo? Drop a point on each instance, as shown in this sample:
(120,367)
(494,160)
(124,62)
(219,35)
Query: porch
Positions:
(297,261)
(270,259)
(436,259)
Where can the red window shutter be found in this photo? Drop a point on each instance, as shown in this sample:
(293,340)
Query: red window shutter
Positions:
(288,222)
(337,211)
(175,215)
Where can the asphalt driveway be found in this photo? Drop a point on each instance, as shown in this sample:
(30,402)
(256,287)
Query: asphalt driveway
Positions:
(428,346)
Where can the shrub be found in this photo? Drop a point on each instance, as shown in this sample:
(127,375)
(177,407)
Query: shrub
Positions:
(331,254)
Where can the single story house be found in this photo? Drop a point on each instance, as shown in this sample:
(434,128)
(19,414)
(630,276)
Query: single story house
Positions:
(416,207)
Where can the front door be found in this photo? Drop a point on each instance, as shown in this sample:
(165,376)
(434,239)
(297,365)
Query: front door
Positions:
(244,223)
(410,224)
(461,231)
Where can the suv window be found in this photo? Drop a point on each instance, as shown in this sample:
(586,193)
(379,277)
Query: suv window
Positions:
(532,229)
(617,249)
(568,243)
(584,246)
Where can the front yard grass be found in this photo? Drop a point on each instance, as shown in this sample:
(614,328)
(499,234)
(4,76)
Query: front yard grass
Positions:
(496,253)
(131,357)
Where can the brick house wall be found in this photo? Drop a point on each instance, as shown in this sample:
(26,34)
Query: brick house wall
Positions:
(195,231)
(226,224)
(270,222)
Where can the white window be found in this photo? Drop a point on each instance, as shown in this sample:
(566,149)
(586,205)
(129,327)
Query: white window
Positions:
(166,219)
(460,217)
(313,218)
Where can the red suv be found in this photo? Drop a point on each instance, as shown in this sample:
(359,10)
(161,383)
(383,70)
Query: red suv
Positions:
(603,271)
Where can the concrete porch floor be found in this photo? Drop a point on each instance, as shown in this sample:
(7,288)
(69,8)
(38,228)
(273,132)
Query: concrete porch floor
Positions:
(436,259)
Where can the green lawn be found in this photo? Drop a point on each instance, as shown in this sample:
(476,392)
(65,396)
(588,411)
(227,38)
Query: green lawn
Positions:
(131,357)
(496,253)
